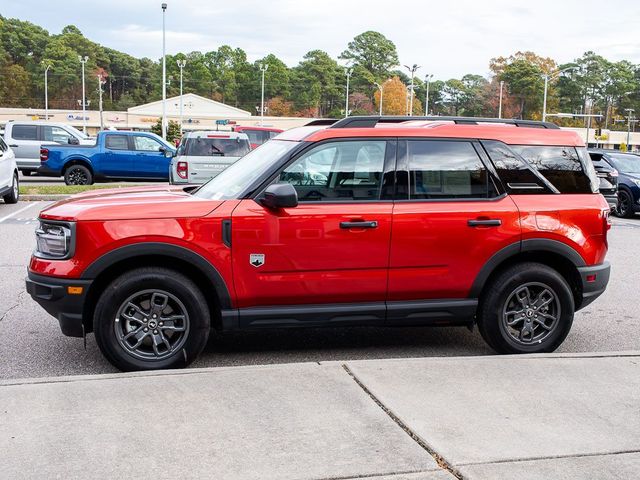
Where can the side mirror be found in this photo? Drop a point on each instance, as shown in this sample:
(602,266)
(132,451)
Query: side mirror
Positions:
(73,141)
(280,195)
(167,153)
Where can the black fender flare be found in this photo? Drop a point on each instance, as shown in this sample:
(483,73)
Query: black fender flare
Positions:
(529,245)
(166,249)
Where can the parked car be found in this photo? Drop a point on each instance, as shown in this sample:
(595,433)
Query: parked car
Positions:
(116,155)
(258,135)
(203,155)
(628,167)
(298,233)
(608,178)
(9,182)
(25,139)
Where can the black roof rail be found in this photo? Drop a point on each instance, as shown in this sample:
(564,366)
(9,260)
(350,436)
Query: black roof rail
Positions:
(372,121)
(321,122)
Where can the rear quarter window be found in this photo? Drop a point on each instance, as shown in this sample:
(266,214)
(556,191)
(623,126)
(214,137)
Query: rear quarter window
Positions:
(24,132)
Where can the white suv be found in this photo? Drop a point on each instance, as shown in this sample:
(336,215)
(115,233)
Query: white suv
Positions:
(8,174)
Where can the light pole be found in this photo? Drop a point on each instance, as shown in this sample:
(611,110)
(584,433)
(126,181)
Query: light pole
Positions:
(46,92)
(101,82)
(181,63)
(348,71)
(426,99)
(629,116)
(263,68)
(411,69)
(547,77)
(500,102)
(164,75)
(381,88)
(83,60)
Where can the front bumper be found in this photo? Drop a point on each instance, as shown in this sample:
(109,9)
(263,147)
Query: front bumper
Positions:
(594,281)
(53,295)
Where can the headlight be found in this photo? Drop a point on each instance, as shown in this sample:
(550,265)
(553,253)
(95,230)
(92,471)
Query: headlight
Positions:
(637,182)
(54,239)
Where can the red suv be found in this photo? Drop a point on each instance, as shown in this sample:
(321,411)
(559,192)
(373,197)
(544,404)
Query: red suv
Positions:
(258,135)
(367,221)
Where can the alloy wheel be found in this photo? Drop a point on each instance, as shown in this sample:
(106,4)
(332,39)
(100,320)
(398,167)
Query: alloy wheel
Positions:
(78,177)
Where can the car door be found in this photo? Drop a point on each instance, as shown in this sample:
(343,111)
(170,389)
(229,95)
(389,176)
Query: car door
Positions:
(25,143)
(149,160)
(331,250)
(56,135)
(6,175)
(117,158)
(447,222)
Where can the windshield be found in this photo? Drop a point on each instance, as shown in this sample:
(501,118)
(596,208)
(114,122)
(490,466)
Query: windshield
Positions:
(210,147)
(626,163)
(229,183)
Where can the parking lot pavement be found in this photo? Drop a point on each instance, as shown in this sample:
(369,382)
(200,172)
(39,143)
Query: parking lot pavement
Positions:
(32,345)
(39,180)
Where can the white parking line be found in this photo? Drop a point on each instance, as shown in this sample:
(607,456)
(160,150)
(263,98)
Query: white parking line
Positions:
(622,222)
(31,204)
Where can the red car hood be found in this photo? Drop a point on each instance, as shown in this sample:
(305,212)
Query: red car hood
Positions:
(130,203)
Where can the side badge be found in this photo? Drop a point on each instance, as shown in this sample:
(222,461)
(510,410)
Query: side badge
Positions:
(256,259)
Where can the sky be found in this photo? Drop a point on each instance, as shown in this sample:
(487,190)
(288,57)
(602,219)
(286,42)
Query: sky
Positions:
(446,38)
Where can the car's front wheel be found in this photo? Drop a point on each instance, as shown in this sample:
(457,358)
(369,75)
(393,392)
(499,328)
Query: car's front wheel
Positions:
(528,308)
(14,194)
(151,318)
(625,204)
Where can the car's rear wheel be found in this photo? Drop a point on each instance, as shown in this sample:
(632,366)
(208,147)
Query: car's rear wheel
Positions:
(528,308)
(14,194)
(151,318)
(625,204)
(78,175)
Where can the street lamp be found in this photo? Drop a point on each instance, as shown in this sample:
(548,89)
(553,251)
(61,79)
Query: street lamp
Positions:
(263,69)
(164,75)
(101,82)
(426,100)
(181,63)
(83,61)
(411,69)
(547,77)
(500,102)
(46,92)
(381,88)
(348,71)
(629,117)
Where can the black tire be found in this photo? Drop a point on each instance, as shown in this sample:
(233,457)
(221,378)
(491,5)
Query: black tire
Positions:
(625,204)
(112,322)
(498,323)
(14,195)
(78,175)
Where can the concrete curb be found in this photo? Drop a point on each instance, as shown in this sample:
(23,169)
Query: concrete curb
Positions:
(40,198)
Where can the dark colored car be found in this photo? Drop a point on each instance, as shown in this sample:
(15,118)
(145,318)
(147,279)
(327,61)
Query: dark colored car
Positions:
(608,177)
(628,167)
(298,233)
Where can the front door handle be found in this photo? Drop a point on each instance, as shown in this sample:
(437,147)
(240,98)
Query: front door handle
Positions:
(489,222)
(359,224)
(13,146)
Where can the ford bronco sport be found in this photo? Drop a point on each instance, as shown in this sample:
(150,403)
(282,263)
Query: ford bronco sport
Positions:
(364,221)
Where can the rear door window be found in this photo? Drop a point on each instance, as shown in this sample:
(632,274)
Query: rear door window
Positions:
(517,176)
(117,142)
(25,132)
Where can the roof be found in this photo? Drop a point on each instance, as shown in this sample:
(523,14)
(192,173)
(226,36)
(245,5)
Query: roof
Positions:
(215,134)
(266,129)
(509,134)
(192,105)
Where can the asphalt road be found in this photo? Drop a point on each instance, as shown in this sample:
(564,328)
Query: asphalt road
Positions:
(31,344)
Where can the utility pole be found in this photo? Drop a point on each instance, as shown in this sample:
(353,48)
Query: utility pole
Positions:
(164,75)
(381,88)
(101,82)
(500,102)
(181,64)
(83,61)
(46,92)
(348,71)
(263,68)
(411,69)
(426,100)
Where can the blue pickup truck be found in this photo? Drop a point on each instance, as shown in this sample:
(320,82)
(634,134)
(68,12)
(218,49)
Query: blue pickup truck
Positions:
(115,156)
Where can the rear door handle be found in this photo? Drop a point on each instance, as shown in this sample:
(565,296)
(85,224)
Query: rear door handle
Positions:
(358,224)
(13,146)
(489,222)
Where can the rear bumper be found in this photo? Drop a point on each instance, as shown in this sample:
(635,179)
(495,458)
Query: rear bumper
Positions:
(594,282)
(52,294)
(612,200)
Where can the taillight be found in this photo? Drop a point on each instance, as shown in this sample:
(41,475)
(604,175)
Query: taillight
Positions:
(182,169)
(606,214)
(44,154)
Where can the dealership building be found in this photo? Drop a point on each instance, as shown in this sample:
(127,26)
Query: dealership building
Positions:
(198,113)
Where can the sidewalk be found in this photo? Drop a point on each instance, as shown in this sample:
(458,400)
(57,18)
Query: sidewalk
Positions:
(526,417)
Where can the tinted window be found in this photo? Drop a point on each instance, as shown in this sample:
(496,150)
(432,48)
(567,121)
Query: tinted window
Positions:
(516,175)
(257,136)
(560,165)
(626,163)
(55,134)
(212,147)
(146,144)
(25,132)
(116,142)
(338,171)
(439,169)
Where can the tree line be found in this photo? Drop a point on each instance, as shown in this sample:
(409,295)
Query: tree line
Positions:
(316,86)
